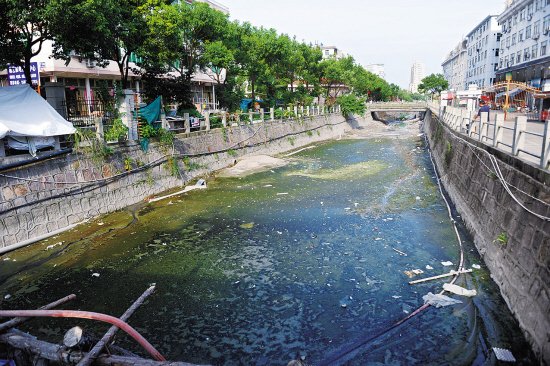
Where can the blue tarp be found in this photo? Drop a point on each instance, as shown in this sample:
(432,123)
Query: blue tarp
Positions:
(245,103)
(511,93)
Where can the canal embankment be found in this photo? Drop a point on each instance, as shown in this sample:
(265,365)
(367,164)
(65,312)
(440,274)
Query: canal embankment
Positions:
(49,196)
(504,202)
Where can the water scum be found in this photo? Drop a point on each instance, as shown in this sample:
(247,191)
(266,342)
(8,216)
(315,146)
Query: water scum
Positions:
(302,259)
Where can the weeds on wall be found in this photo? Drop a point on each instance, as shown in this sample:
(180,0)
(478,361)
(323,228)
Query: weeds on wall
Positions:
(85,142)
(502,239)
(231,152)
(292,140)
(448,153)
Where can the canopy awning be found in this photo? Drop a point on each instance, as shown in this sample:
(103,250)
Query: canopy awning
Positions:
(511,93)
(23,112)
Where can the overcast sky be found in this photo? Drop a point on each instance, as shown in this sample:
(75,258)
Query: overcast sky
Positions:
(392,32)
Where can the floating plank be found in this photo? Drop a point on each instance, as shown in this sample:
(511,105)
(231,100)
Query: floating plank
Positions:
(452,273)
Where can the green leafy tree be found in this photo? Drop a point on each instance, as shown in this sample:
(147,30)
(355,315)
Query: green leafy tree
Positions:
(336,75)
(433,84)
(101,30)
(24,27)
(351,104)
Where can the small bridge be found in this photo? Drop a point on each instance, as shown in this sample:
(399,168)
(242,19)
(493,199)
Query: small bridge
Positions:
(392,111)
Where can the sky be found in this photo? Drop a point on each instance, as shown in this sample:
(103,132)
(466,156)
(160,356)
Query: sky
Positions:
(392,32)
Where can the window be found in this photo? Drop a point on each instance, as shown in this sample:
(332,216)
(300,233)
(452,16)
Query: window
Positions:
(528,32)
(518,57)
(506,61)
(530,9)
(485,56)
(534,51)
(546,24)
(543,48)
(522,14)
(520,36)
(513,39)
(516,19)
(526,54)
(536,28)
(512,58)
(508,42)
(537,5)
(497,51)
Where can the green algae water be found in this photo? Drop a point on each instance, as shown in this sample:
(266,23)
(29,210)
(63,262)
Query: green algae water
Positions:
(299,261)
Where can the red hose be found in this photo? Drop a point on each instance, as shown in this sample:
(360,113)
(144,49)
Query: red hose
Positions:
(87,315)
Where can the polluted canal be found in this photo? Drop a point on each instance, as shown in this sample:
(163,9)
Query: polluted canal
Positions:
(309,260)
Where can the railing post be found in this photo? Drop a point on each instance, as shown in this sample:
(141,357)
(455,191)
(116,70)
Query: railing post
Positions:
(307,111)
(224,119)
(282,113)
(499,130)
(272,114)
(207,121)
(483,121)
(99,134)
(186,123)
(519,127)
(262,114)
(301,110)
(463,117)
(295,111)
(545,153)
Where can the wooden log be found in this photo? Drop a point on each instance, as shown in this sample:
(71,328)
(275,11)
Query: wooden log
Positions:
(58,354)
(16,321)
(90,356)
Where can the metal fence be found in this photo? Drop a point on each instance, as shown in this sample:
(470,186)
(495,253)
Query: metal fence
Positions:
(83,113)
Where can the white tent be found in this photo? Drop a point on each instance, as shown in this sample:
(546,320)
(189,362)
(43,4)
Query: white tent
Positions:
(25,113)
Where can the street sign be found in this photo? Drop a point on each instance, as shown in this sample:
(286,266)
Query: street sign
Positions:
(16,75)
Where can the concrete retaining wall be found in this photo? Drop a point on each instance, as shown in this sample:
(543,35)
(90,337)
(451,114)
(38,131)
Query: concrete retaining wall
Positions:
(53,194)
(520,265)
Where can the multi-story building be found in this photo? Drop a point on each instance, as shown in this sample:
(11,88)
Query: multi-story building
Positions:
(377,69)
(483,53)
(332,52)
(417,74)
(524,54)
(454,67)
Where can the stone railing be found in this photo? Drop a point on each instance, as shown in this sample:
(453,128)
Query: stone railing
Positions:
(398,106)
(531,140)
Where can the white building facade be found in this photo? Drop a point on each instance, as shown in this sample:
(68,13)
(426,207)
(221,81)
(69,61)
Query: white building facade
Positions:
(377,69)
(454,66)
(332,52)
(417,74)
(483,51)
(524,44)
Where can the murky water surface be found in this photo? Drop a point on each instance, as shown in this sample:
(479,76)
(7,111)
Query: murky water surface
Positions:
(303,260)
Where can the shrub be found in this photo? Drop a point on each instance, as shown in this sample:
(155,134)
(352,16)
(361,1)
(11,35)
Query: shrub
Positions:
(351,104)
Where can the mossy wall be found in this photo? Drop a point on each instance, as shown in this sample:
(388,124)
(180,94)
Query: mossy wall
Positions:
(54,194)
(514,243)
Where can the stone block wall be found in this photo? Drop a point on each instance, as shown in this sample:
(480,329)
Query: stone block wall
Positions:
(51,195)
(514,243)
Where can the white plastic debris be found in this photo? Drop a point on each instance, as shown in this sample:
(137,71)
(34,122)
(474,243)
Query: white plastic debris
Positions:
(503,354)
(7,296)
(95,274)
(447,263)
(476,266)
(282,193)
(428,267)
(439,300)
(459,290)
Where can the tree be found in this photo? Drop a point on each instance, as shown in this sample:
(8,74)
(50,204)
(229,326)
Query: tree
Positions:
(433,84)
(100,30)
(336,74)
(24,27)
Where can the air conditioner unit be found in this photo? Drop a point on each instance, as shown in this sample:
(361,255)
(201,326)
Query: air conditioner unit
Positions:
(90,63)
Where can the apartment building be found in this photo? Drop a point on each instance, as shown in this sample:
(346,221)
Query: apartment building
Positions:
(454,66)
(332,52)
(417,74)
(524,54)
(483,51)
(377,69)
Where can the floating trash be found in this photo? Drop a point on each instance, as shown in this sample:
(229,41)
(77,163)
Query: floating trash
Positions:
(503,354)
(248,225)
(476,266)
(447,263)
(95,274)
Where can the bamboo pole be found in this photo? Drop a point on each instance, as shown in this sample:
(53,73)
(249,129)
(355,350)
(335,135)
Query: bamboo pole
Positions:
(16,321)
(106,339)
(452,273)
